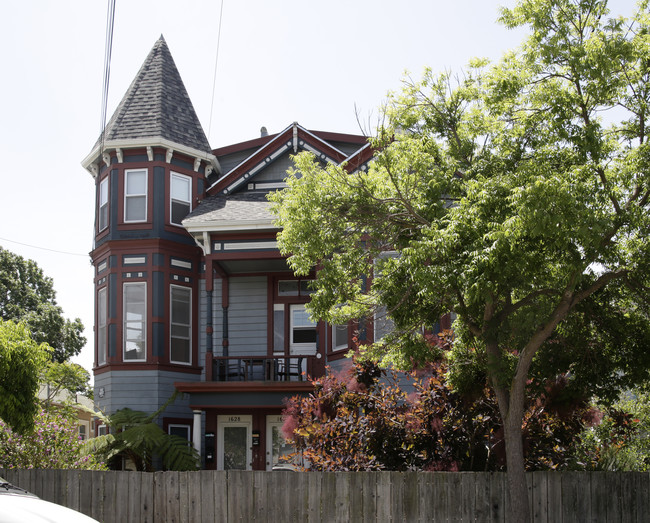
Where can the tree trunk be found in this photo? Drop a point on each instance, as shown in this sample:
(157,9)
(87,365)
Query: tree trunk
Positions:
(519,504)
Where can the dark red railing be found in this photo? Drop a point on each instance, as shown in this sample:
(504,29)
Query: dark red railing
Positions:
(259,368)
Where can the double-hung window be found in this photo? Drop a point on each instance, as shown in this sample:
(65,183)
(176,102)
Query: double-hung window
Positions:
(135,316)
(135,195)
(103,204)
(181,189)
(302,331)
(181,318)
(101,326)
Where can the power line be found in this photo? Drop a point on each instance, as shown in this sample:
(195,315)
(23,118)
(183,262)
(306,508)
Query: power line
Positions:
(216,61)
(43,248)
(110,23)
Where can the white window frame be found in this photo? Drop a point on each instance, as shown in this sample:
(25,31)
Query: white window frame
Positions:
(102,430)
(136,195)
(172,199)
(172,323)
(335,328)
(275,421)
(102,326)
(125,321)
(103,205)
(307,349)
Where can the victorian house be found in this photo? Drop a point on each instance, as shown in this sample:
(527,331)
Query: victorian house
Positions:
(191,292)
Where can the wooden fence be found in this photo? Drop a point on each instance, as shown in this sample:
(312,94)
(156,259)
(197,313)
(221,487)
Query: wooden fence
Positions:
(207,496)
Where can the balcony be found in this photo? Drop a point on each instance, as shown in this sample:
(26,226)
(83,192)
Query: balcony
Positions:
(261,368)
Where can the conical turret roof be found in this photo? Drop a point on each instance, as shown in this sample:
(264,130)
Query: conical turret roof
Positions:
(157,105)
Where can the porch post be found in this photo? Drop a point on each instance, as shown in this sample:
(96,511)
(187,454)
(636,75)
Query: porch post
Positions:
(196,439)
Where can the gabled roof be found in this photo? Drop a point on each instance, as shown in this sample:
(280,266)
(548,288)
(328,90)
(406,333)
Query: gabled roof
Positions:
(293,139)
(156,110)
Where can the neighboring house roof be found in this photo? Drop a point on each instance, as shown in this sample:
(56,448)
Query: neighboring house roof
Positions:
(63,396)
(157,105)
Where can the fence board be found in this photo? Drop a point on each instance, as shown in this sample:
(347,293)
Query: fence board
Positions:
(554,488)
(109,501)
(220,483)
(538,494)
(146,498)
(71,486)
(482,497)
(207,479)
(133,503)
(440,497)
(121,506)
(468,496)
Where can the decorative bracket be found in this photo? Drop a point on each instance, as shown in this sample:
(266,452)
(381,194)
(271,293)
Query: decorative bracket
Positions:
(168,156)
(150,153)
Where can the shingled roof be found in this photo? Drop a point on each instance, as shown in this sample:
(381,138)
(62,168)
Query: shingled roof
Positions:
(242,208)
(157,105)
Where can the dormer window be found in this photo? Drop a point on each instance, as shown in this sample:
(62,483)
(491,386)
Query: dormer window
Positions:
(181,189)
(135,195)
(103,204)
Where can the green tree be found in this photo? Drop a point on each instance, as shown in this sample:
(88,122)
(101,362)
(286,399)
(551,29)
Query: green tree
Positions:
(515,196)
(67,376)
(52,444)
(26,294)
(21,362)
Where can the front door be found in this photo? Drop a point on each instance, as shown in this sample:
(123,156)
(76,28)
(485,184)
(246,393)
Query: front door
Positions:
(277,450)
(234,442)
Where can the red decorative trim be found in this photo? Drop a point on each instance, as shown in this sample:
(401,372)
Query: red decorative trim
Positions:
(119,366)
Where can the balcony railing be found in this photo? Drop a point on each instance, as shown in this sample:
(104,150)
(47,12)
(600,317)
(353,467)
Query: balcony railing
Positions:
(261,368)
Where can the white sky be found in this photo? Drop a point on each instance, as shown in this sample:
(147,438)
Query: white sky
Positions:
(279,61)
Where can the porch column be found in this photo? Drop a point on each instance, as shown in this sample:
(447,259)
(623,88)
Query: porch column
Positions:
(196,439)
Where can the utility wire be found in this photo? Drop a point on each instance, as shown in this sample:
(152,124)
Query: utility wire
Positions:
(108,49)
(216,61)
(43,248)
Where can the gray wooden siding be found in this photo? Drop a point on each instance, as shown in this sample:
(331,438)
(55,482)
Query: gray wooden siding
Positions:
(276,170)
(247,316)
(142,390)
(217,321)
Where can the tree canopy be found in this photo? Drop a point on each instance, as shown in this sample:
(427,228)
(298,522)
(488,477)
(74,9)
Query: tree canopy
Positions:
(26,294)
(515,195)
(21,362)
